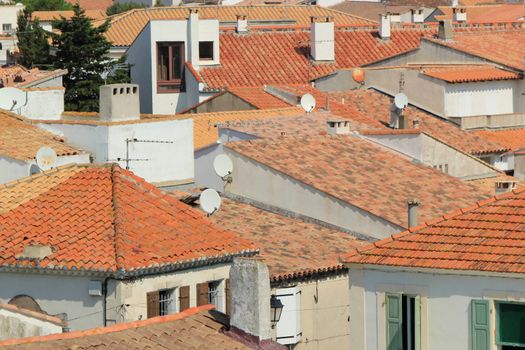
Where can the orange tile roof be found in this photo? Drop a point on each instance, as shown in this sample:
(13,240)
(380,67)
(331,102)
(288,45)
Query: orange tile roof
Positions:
(257,97)
(513,139)
(33,314)
(9,73)
(291,247)
(21,140)
(48,16)
(362,173)
(92,4)
(488,13)
(95,218)
(465,74)
(377,105)
(489,183)
(195,328)
(126,27)
(487,236)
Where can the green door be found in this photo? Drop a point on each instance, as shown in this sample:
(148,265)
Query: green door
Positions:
(394,320)
(480,325)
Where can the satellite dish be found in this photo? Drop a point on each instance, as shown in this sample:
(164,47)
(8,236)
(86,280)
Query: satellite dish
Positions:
(210,201)
(11,98)
(223,165)
(46,158)
(308,103)
(401,100)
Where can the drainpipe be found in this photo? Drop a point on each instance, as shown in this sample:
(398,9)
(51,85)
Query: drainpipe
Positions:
(413,213)
(104,300)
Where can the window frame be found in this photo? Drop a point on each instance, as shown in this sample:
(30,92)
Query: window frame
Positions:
(497,304)
(172,306)
(212,51)
(7,30)
(174,85)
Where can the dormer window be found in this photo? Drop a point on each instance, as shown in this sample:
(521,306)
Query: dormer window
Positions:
(206,50)
(170,67)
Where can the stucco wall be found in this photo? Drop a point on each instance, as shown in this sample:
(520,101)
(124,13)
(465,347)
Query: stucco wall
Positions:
(52,99)
(16,325)
(9,15)
(263,184)
(205,175)
(445,305)
(225,102)
(141,71)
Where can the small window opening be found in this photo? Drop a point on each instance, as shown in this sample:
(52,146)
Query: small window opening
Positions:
(206,50)
(115,91)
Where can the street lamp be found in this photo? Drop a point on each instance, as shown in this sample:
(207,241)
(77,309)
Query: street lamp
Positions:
(276,310)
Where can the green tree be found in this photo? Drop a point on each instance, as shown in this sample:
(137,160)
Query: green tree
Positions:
(32,42)
(46,5)
(83,50)
(123,7)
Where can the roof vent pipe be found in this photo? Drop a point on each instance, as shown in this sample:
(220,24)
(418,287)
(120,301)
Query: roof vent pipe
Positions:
(322,43)
(445,30)
(242,24)
(413,213)
(384,26)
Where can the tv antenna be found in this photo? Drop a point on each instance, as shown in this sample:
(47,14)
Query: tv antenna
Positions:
(210,201)
(308,103)
(128,159)
(46,158)
(223,166)
(11,98)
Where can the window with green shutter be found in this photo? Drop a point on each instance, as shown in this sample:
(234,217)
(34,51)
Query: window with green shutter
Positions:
(403,322)
(394,321)
(510,324)
(480,321)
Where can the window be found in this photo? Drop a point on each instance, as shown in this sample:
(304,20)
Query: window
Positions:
(403,322)
(510,322)
(211,293)
(168,301)
(170,67)
(167,304)
(206,50)
(6,27)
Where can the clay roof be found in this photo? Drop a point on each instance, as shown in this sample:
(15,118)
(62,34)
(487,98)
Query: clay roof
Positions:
(489,183)
(513,139)
(195,328)
(33,314)
(92,4)
(95,218)
(126,27)
(9,73)
(48,16)
(470,73)
(487,236)
(372,10)
(21,140)
(488,13)
(362,173)
(290,247)
(377,105)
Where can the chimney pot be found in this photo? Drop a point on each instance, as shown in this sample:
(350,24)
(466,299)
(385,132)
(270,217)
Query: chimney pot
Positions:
(417,16)
(384,26)
(322,44)
(459,14)
(413,213)
(338,127)
(445,30)
(119,102)
(242,24)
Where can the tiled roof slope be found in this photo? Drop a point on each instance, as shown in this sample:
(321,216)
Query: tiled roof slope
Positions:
(21,140)
(195,328)
(9,73)
(364,174)
(92,4)
(487,236)
(257,97)
(47,16)
(513,139)
(282,58)
(371,10)
(466,74)
(289,246)
(127,26)
(96,218)
(488,13)
(377,105)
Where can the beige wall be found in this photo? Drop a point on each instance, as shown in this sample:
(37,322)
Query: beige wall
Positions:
(224,102)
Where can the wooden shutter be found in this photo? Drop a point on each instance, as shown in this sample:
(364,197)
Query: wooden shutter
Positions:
(202,294)
(152,303)
(228,298)
(394,320)
(480,325)
(184,298)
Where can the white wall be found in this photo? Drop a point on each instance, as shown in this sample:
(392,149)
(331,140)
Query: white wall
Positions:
(18,325)
(52,99)
(7,45)
(9,15)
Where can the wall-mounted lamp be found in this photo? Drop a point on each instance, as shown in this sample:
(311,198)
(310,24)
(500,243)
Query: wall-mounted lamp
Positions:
(276,310)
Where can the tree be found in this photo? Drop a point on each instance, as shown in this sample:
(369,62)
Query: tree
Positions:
(32,42)
(118,7)
(83,50)
(46,5)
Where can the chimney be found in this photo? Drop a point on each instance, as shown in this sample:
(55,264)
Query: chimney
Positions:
(445,30)
(395,19)
(504,186)
(459,14)
(250,299)
(322,44)
(384,26)
(242,24)
(519,164)
(338,127)
(455,3)
(193,37)
(413,213)
(119,102)
(417,16)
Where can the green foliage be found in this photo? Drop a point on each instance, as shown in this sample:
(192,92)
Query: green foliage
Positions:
(46,5)
(119,7)
(83,50)
(32,42)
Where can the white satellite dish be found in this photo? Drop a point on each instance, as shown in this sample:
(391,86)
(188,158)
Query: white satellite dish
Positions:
(223,165)
(210,201)
(46,158)
(11,98)
(401,100)
(308,103)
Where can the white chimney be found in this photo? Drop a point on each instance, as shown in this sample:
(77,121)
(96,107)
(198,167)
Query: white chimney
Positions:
(119,102)
(242,24)
(384,26)
(322,43)
(455,3)
(395,18)
(504,186)
(445,30)
(459,14)
(193,37)
(413,213)
(417,16)
(338,127)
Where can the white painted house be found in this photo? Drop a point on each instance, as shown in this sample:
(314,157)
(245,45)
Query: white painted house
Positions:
(455,283)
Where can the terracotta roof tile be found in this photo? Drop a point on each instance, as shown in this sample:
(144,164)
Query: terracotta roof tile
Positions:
(364,174)
(513,139)
(47,16)
(195,328)
(488,13)
(126,27)
(92,4)
(465,74)
(487,237)
(96,218)
(8,75)
(257,97)
(33,314)
(21,140)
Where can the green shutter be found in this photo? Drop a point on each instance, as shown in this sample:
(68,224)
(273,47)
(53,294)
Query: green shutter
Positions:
(394,319)
(480,325)
(417,322)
